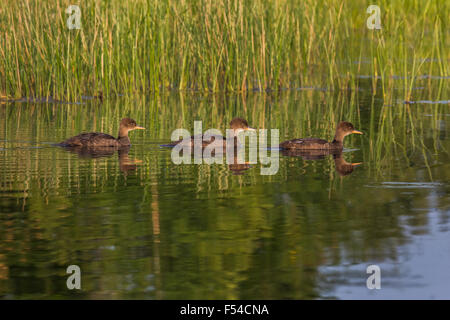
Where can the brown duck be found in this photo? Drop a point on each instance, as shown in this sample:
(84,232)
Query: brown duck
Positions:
(237,125)
(99,140)
(343,129)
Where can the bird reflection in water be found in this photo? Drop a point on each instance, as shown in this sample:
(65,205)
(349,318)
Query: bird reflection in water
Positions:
(238,169)
(343,167)
(234,165)
(125,163)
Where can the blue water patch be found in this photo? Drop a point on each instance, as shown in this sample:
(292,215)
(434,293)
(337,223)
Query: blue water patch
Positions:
(427,102)
(425,76)
(406,185)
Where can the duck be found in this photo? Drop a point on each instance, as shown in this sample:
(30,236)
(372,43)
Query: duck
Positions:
(343,129)
(101,140)
(237,125)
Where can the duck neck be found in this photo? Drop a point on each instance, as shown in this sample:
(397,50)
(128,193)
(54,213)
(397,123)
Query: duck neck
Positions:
(232,140)
(233,135)
(123,137)
(338,139)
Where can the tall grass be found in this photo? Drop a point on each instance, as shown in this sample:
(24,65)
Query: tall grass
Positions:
(136,46)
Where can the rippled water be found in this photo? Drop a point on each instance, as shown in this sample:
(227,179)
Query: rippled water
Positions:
(140,226)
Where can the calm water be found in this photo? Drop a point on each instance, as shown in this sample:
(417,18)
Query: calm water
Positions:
(142,227)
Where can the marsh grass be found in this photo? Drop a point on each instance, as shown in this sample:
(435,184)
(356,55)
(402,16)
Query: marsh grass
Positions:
(129,47)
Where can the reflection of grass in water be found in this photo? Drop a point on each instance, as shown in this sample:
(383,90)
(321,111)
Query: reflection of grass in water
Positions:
(141,46)
(405,133)
(392,130)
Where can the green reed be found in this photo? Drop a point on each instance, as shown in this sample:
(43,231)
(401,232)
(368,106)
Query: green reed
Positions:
(128,47)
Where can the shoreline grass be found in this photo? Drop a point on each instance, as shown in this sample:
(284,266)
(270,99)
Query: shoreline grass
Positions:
(132,47)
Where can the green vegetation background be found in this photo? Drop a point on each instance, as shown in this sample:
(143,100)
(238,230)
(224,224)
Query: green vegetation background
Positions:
(137,46)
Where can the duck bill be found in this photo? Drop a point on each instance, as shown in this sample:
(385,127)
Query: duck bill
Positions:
(139,128)
(356,164)
(357,132)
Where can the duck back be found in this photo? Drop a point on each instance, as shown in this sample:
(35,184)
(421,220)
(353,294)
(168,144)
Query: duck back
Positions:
(91,139)
(307,143)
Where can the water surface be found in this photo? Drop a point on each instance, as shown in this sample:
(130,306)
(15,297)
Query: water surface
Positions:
(142,227)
